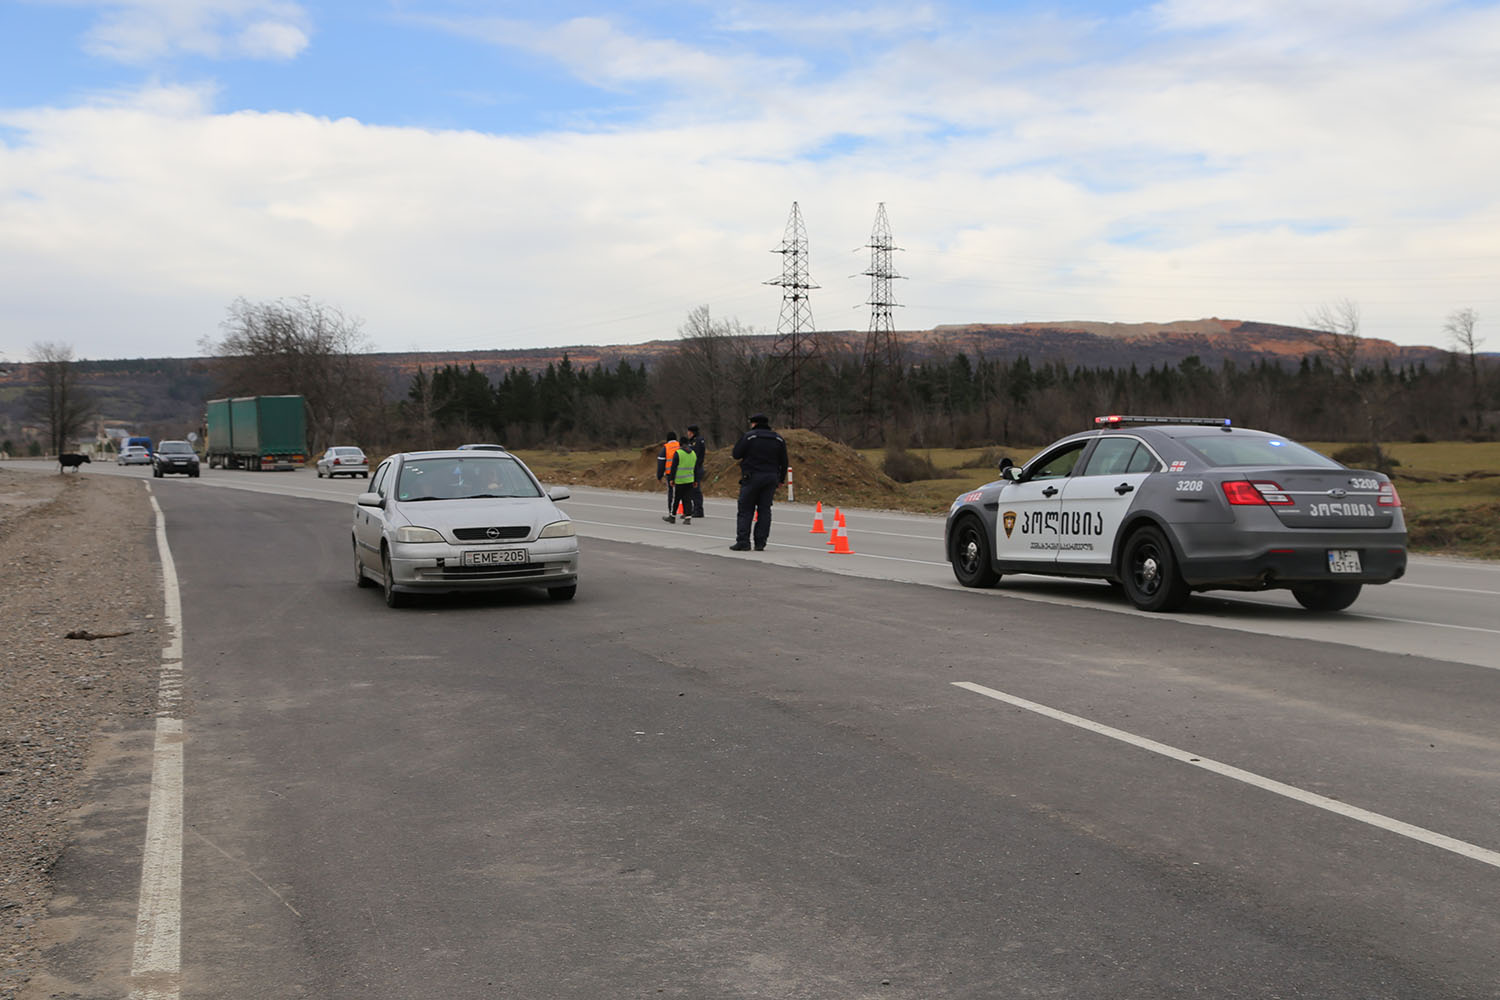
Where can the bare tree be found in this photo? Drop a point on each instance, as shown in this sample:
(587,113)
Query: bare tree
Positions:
(304,348)
(1343,344)
(712,365)
(1460,330)
(60,403)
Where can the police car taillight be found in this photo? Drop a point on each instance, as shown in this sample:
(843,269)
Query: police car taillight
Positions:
(1245,492)
(1388,495)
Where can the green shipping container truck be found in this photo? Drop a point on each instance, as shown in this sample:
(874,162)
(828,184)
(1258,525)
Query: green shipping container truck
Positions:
(256,432)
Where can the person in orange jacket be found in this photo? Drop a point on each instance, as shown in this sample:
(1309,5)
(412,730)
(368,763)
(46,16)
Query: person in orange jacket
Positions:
(663,465)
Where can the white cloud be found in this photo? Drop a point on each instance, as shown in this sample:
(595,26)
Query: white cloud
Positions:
(1290,17)
(800,21)
(1226,176)
(143,31)
(598,52)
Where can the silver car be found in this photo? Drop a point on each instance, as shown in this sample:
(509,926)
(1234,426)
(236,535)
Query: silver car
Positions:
(133,455)
(444,521)
(343,460)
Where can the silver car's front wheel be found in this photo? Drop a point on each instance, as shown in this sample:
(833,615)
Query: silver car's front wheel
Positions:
(360,580)
(393,597)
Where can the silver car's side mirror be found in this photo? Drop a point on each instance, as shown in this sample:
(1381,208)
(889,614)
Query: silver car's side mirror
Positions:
(559,493)
(370,500)
(1010,473)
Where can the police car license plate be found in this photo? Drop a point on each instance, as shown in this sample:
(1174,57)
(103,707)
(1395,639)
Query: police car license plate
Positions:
(1343,560)
(496,557)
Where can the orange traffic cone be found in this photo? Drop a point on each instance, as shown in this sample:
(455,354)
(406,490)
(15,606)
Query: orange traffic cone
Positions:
(817,528)
(840,543)
(838,516)
(833,534)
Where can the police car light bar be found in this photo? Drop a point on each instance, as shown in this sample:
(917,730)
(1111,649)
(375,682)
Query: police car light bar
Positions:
(1115,420)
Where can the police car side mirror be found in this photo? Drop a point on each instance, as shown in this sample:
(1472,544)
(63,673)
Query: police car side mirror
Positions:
(1010,473)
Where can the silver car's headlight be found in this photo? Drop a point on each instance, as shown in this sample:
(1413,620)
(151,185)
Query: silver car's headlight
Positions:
(558,529)
(411,534)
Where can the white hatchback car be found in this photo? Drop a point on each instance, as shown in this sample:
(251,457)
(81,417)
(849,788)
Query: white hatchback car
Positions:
(343,460)
(133,455)
(443,521)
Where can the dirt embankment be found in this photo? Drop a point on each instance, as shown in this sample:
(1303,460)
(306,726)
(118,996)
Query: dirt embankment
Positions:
(822,470)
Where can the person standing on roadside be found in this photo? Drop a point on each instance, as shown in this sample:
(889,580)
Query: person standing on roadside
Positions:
(663,467)
(763,464)
(683,474)
(700,449)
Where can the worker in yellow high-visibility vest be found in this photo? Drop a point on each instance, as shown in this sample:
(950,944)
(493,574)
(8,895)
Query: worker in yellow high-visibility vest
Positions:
(683,473)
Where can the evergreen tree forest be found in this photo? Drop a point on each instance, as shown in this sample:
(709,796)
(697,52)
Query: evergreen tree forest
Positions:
(947,401)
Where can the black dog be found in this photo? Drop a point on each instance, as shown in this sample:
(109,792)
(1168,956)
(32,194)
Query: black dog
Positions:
(69,461)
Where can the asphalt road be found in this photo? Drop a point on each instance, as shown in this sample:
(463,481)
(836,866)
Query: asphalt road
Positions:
(799,775)
(1445,608)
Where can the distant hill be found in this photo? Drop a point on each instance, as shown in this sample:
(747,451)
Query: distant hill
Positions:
(1082,342)
(1118,345)
(169,392)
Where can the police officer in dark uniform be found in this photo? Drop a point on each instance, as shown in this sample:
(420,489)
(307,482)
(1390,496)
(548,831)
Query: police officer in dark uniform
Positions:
(763,464)
(694,442)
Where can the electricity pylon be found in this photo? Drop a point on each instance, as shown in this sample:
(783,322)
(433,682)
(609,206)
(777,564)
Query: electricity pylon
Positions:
(796,341)
(882,360)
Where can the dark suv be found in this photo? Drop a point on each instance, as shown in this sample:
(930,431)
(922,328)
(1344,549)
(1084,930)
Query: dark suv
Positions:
(174,456)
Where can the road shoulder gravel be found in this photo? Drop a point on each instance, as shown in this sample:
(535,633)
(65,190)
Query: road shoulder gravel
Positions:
(80,647)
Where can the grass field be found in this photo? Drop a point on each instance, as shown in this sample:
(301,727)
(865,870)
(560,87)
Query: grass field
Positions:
(1450,489)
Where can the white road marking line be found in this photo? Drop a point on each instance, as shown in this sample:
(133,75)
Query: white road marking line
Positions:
(1459,847)
(1418,621)
(156,964)
(1433,586)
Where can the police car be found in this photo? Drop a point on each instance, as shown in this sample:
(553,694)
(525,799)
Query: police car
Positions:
(1165,506)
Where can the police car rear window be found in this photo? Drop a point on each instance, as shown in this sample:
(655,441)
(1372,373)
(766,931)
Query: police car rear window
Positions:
(1221,450)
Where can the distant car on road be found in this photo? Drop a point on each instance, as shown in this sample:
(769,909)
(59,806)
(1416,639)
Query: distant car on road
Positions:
(174,457)
(133,455)
(1165,506)
(343,460)
(474,519)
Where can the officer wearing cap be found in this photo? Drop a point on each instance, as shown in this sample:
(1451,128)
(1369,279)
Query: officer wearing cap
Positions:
(694,442)
(763,464)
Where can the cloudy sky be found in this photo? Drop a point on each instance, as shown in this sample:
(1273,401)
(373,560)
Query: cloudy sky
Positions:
(484,174)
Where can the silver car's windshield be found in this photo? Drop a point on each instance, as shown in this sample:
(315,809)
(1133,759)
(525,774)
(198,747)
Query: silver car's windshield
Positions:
(464,478)
(1232,449)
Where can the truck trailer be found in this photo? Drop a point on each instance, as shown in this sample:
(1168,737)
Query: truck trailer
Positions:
(256,432)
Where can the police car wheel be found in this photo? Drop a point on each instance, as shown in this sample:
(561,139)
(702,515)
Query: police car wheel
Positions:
(1326,596)
(969,552)
(1149,572)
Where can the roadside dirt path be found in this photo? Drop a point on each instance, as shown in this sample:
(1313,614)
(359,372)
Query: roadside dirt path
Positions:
(77,555)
